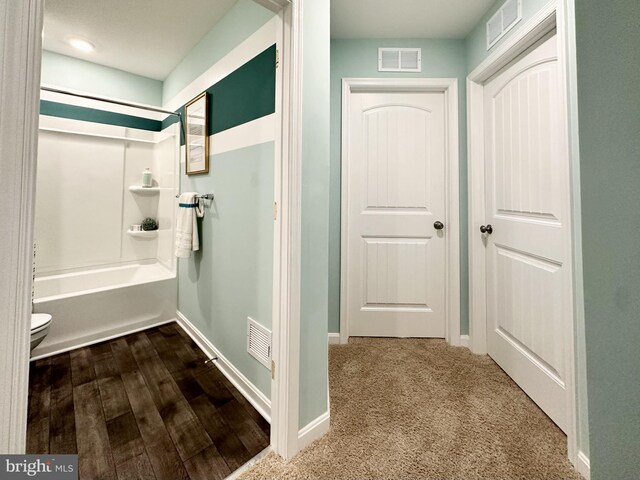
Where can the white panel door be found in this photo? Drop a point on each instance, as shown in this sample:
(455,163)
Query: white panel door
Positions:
(528,249)
(396,192)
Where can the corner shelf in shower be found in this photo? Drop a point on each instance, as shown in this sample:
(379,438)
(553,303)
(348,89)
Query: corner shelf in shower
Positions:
(143,234)
(144,190)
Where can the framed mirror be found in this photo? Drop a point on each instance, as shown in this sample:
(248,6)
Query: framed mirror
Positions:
(196,141)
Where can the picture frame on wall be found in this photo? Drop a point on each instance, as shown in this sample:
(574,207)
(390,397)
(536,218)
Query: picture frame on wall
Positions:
(196,140)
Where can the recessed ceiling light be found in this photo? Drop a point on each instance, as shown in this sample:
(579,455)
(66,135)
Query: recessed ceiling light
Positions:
(81,44)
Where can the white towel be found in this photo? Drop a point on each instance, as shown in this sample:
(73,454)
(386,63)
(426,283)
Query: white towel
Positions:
(190,207)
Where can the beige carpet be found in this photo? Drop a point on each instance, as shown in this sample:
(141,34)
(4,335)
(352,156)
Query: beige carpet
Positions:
(419,409)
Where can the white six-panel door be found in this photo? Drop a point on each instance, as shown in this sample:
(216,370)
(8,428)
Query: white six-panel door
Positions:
(396,192)
(527,205)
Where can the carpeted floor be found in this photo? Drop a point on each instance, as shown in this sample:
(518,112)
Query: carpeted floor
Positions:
(405,409)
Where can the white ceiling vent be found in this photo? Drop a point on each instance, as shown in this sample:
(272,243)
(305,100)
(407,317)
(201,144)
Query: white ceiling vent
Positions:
(399,59)
(259,342)
(503,20)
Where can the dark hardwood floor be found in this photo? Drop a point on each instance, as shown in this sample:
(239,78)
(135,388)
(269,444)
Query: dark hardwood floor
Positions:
(142,406)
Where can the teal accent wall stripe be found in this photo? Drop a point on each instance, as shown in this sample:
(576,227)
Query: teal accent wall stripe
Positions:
(74,112)
(244,95)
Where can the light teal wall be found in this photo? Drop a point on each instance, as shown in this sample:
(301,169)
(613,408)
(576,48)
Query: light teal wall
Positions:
(72,73)
(231,277)
(608,62)
(359,58)
(244,18)
(477,40)
(315,211)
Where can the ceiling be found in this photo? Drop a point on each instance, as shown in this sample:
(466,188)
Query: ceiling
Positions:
(150,37)
(405,18)
(146,37)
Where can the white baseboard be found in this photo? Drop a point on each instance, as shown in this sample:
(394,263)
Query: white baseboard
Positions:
(583,466)
(248,390)
(86,340)
(334,338)
(465,341)
(313,430)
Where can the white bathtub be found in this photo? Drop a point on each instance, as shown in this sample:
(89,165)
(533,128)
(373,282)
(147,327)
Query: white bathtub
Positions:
(95,305)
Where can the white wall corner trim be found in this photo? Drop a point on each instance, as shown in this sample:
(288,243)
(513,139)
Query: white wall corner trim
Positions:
(262,39)
(255,132)
(333,338)
(313,430)
(465,341)
(448,86)
(248,390)
(20,55)
(273,5)
(583,466)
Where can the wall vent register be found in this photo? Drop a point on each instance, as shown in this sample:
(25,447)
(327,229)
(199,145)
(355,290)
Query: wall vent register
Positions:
(399,59)
(259,342)
(507,16)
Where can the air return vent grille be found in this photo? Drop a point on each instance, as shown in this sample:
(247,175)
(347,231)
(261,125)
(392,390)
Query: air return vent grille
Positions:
(259,342)
(399,60)
(503,20)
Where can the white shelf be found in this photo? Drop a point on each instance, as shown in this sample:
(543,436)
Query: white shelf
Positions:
(144,190)
(143,234)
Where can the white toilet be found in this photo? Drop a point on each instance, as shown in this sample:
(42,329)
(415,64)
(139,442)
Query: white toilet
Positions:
(40,323)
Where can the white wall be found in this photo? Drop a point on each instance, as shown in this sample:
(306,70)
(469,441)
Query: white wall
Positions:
(83,202)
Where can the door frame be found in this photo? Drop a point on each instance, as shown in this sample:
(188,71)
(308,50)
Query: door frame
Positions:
(285,367)
(19,101)
(19,97)
(552,16)
(449,87)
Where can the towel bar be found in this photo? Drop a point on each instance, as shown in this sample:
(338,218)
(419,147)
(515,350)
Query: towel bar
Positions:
(206,196)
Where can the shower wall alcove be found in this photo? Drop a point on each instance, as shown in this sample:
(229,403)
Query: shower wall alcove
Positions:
(96,277)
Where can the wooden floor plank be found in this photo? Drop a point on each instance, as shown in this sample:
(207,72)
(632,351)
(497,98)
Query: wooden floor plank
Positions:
(114,398)
(143,406)
(182,424)
(218,394)
(165,460)
(82,370)
(207,465)
(137,468)
(124,438)
(247,430)
(39,407)
(62,434)
(94,451)
(225,439)
(122,356)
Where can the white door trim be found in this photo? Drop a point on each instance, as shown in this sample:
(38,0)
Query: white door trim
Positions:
(285,378)
(550,17)
(19,103)
(448,86)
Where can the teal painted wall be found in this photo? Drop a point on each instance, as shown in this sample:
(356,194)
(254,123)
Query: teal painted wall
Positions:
(244,18)
(231,277)
(63,110)
(315,211)
(359,58)
(477,40)
(608,66)
(75,74)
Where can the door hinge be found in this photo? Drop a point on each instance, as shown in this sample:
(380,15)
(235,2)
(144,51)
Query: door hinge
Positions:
(273,370)
(277,58)
(275,211)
